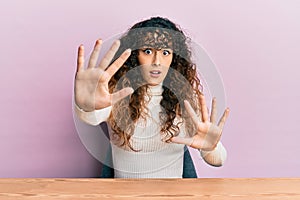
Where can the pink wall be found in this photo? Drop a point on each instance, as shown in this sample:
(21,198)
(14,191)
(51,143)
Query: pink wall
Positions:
(255,45)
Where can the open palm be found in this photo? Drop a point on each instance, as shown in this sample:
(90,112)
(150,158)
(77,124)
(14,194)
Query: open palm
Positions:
(91,84)
(208,132)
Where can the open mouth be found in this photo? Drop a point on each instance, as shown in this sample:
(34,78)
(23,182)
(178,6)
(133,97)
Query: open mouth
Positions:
(155,73)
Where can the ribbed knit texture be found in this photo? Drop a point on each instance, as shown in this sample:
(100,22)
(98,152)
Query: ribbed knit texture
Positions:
(156,158)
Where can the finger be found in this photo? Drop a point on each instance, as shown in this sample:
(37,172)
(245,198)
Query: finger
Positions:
(80,58)
(181,140)
(192,113)
(203,108)
(121,94)
(109,55)
(213,111)
(223,119)
(115,66)
(95,54)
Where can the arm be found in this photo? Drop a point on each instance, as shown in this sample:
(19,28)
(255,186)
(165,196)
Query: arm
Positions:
(94,117)
(215,157)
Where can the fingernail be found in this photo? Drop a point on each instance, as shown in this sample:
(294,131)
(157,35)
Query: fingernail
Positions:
(131,90)
(128,51)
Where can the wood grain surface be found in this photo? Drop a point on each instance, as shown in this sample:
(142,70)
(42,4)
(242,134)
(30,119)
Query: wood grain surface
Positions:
(202,188)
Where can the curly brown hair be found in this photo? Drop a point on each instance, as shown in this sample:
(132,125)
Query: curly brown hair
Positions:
(181,82)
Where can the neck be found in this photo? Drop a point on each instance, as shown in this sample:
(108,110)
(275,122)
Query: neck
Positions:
(155,90)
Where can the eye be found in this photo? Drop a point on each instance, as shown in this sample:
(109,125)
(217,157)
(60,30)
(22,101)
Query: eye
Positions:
(166,52)
(147,51)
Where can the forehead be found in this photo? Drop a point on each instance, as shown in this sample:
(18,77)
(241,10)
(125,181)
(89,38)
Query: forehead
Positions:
(157,38)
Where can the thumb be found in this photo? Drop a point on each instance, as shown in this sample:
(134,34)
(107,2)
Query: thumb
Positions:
(117,96)
(181,140)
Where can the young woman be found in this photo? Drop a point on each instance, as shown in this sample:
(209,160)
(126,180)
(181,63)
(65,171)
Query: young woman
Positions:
(146,88)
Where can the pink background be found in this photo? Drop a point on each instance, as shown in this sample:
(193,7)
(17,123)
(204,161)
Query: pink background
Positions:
(255,45)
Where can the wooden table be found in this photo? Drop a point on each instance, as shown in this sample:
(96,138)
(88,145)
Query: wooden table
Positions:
(203,188)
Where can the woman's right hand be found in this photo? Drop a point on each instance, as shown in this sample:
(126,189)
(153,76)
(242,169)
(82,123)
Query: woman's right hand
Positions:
(91,84)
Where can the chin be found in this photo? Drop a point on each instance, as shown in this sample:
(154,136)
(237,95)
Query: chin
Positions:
(153,83)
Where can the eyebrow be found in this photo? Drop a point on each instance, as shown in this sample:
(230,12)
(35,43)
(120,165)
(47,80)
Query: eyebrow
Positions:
(148,47)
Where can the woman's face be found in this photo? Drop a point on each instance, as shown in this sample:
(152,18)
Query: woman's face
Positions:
(155,64)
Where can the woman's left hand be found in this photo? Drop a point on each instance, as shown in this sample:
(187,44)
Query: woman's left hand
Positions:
(208,132)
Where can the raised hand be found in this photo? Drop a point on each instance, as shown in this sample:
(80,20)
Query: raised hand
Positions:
(208,133)
(91,84)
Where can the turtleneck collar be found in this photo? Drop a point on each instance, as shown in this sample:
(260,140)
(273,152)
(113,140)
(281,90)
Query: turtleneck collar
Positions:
(156,90)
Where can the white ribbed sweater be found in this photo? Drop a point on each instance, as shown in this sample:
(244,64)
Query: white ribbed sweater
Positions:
(156,158)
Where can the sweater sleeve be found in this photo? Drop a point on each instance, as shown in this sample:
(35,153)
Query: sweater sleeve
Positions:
(215,157)
(94,117)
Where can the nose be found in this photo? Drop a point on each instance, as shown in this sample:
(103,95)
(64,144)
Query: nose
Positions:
(156,59)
